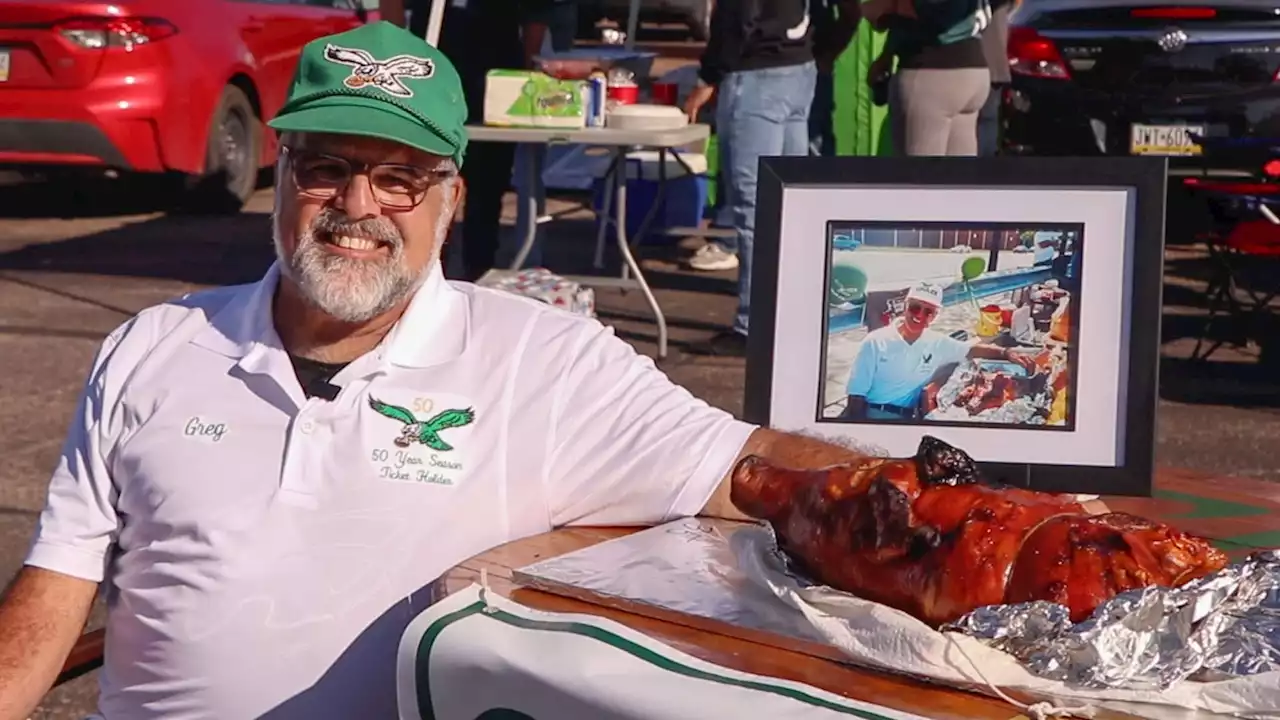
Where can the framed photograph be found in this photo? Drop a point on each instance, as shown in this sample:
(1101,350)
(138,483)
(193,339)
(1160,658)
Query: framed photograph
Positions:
(1008,306)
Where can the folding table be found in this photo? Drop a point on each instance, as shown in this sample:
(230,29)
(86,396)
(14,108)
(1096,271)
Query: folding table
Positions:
(620,143)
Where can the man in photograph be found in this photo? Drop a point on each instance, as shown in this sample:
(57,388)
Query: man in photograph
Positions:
(896,362)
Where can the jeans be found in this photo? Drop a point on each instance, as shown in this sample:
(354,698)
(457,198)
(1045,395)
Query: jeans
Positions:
(759,113)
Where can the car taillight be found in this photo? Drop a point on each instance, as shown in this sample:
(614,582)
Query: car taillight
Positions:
(1033,55)
(1174,13)
(126,33)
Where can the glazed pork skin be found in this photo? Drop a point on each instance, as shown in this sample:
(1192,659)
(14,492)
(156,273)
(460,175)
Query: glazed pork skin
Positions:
(928,536)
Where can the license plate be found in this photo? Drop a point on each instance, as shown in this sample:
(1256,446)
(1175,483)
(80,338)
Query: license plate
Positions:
(1169,140)
(4,65)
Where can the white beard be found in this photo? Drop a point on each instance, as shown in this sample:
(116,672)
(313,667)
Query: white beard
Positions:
(349,290)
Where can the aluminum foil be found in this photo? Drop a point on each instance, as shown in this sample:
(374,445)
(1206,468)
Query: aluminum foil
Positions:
(1223,626)
(1030,409)
(707,573)
(686,567)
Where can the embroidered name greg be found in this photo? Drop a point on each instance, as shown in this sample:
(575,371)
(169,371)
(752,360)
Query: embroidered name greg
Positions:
(204,430)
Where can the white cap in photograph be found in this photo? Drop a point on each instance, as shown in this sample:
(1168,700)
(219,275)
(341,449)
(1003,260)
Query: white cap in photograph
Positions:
(927,293)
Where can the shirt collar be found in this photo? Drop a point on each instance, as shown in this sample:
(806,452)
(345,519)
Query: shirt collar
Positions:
(435,326)
(433,329)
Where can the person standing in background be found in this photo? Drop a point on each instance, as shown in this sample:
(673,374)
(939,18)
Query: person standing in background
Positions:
(942,80)
(759,61)
(835,22)
(479,36)
(995,45)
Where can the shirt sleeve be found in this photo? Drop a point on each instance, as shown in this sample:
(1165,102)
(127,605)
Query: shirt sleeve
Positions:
(863,373)
(726,39)
(952,350)
(629,446)
(78,526)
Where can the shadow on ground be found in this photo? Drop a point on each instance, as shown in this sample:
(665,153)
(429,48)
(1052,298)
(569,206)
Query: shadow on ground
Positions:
(204,250)
(77,197)
(224,250)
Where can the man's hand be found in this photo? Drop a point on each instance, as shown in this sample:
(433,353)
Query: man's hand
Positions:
(700,96)
(880,67)
(41,617)
(929,398)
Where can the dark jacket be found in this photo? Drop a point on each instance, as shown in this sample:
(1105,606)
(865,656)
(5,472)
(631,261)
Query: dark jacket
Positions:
(943,34)
(835,22)
(756,34)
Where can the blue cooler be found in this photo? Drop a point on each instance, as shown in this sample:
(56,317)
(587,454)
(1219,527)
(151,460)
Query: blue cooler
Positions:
(683,204)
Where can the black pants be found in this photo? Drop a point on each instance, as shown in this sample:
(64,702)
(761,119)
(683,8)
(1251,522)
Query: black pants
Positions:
(482,37)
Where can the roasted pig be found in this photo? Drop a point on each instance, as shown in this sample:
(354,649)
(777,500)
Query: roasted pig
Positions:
(988,390)
(929,536)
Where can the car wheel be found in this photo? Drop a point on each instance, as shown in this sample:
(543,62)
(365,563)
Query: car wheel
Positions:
(231,156)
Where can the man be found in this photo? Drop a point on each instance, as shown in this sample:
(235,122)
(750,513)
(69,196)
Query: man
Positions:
(896,362)
(759,61)
(268,478)
(483,35)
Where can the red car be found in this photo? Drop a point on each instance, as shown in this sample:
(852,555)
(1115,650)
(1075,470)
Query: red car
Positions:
(180,87)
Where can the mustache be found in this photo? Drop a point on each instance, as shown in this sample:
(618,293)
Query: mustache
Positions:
(334,222)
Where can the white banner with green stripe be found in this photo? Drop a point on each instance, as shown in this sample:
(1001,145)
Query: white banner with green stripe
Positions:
(478,656)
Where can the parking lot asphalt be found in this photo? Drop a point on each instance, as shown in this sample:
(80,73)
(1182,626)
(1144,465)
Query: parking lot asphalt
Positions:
(75,263)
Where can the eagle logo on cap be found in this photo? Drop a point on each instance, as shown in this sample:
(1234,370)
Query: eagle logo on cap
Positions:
(384,75)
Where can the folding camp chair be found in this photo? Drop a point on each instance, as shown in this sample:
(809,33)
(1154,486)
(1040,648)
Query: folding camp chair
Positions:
(1245,256)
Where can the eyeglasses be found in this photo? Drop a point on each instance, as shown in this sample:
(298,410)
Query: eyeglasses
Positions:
(922,310)
(395,186)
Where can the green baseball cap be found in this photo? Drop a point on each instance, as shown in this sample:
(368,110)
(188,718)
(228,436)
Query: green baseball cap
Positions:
(378,80)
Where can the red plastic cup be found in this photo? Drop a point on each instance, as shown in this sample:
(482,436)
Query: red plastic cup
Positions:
(624,94)
(665,93)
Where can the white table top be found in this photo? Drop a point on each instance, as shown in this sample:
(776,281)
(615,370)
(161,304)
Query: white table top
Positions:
(591,136)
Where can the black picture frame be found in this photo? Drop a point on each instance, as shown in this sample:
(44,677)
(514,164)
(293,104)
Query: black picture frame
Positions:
(1145,178)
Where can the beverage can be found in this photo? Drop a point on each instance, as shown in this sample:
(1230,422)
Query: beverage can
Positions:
(597,96)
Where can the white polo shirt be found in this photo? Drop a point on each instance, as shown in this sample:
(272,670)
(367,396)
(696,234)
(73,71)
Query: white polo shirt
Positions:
(263,552)
(888,370)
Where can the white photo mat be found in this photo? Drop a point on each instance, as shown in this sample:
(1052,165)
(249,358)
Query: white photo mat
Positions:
(1104,301)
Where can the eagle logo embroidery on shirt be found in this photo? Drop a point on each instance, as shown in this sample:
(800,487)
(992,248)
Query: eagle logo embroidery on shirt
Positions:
(426,432)
(384,75)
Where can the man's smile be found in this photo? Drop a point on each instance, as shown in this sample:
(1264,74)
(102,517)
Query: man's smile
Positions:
(353,246)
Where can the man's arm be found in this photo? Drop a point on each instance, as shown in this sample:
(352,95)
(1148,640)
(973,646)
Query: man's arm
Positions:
(784,449)
(993,352)
(726,38)
(46,606)
(41,617)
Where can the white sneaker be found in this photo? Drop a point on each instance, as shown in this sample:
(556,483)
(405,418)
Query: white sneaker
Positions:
(711,257)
